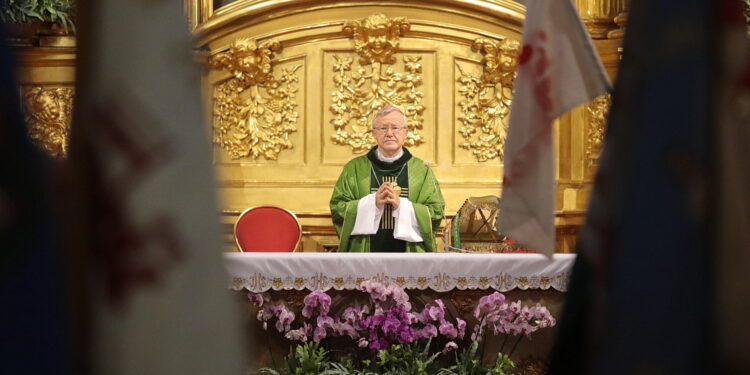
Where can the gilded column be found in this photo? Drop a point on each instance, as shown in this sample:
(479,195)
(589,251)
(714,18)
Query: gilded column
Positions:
(599,15)
(620,20)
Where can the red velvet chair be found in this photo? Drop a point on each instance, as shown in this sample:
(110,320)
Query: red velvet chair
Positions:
(267,229)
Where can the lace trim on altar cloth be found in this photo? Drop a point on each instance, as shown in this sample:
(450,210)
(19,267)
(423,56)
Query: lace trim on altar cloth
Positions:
(440,282)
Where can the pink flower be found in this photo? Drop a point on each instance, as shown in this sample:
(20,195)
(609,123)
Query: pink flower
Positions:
(525,313)
(542,316)
(398,295)
(325,322)
(285,318)
(258,299)
(429,331)
(317,299)
(362,343)
(354,315)
(376,290)
(411,318)
(319,334)
(390,325)
(262,314)
(489,303)
(406,335)
(345,329)
(440,304)
(433,313)
(449,347)
(447,329)
(515,307)
(461,325)
(495,316)
(526,328)
(298,334)
(379,343)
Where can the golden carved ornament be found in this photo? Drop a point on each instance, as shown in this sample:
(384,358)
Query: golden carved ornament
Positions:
(361,90)
(254,110)
(376,37)
(485,100)
(621,19)
(596,118)
(47,115)
(598,15)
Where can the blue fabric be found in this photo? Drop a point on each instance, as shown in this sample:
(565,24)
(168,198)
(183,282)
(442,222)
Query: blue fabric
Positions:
(640,296)
(33,318)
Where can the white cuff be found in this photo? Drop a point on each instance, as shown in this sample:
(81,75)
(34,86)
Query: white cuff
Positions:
(368,216)
(406,227)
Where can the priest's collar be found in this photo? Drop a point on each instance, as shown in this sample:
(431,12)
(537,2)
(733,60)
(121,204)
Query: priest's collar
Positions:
(383,158)
(386,163)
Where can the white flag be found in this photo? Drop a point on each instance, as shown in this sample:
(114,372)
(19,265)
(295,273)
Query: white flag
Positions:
(558,69)
(159,299)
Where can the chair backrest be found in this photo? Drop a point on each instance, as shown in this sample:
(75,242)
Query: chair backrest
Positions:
(472,229)
(267,228)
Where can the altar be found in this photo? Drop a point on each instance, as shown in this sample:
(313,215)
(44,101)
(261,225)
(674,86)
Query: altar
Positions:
(459,280)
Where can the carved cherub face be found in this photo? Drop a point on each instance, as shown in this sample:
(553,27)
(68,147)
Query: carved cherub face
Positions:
(377,26)
(509,55)
(46,108)
(253,61)
(378,39)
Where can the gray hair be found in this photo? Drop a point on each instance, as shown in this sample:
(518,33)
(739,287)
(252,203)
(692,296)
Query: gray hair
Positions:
(386,110)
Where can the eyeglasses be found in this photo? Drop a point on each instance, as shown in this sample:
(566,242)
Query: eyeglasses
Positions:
(394,129)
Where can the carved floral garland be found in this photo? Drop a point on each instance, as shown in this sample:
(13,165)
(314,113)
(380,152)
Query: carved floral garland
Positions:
(254,111)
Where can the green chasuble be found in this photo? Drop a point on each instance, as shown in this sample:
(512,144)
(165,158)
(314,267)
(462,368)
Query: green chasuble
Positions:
(396,173)
(356,181)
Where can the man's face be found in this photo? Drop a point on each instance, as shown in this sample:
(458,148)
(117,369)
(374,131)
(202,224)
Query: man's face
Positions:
(390,140)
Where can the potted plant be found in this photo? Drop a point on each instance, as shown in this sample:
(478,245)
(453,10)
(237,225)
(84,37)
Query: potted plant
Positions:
(387,336)
(29,18)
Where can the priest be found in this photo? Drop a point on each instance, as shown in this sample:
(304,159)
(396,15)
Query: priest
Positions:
(387,200)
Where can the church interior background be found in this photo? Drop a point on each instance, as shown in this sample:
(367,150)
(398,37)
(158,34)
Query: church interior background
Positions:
(289,87)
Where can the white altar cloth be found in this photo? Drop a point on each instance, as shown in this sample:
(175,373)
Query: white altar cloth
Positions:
(441,272)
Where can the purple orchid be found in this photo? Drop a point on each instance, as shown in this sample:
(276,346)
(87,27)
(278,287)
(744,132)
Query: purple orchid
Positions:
(354,316)
(388,319)
(318,299)
(461,326)
(398,295)
(428,331)
(285,319)
(489,303)
(258,299)
(448,329)
(345,329)
(451,345)
(362,343)
(375,289)
(319,333)
(299,334)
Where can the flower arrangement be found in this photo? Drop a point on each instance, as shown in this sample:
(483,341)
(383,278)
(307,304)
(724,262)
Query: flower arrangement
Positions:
(388,337)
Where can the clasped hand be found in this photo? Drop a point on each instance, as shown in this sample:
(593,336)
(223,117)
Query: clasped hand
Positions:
(386,195)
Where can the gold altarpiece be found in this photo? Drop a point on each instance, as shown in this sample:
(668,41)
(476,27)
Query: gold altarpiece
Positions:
(289,86)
